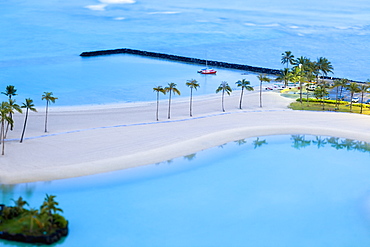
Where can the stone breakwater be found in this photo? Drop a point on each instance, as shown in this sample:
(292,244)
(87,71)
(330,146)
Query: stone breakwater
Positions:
(193,61)
(182,59)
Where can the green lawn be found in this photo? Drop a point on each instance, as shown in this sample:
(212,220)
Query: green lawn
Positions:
(315,106)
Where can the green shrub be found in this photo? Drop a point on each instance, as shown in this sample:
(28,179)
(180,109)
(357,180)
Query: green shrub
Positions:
(328,101)
(60,221)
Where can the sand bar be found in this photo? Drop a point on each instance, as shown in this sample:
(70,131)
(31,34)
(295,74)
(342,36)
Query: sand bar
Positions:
(86,140)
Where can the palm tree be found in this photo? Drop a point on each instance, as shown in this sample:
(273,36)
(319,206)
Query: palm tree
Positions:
(363,88)
(19,204)
(34,217)
(10,91)
(158,89)
(300,79)
(48,96)
(287,58)
(29,106)
(306,63)
(337,85)
(321,92)
(49,207)
(193,84)
(343,84)
(4,117)
(324,66)
(171,89)
(262,78)
(353,88)
(244,84)
(13,106)
(285,75)
(224,87)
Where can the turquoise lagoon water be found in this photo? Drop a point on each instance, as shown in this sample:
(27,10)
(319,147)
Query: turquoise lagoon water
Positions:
(41,40)
(266,191)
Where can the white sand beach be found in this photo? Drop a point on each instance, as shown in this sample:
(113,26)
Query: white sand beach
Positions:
(94,139)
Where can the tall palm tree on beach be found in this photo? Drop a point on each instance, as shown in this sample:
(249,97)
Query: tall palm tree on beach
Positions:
(224,87)
(353,88)
(193,84)
(287,58)
(4,118)
(29,106)
(171,88)
(244,84)
(158,89)
(10,91)
(12,107)
(48,96)
(262,78)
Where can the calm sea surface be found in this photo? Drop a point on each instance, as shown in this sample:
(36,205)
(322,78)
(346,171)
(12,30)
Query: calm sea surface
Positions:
(41,40)
(266,191)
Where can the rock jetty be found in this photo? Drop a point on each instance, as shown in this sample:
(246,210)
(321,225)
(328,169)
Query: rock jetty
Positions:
(182,59)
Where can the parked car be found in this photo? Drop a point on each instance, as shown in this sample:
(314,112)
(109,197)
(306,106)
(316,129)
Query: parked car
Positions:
(311,87)
(367,101)
(355,99)
(278,87)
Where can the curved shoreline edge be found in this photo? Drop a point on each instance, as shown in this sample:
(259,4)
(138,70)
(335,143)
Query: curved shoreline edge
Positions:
(101,149)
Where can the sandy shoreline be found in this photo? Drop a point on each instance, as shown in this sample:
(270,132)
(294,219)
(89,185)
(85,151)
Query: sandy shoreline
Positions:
(87,140)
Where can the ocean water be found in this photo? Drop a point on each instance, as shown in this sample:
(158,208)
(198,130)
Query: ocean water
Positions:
(41,40)
(266,191)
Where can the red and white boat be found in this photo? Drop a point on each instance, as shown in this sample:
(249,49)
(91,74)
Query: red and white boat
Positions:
(207,71)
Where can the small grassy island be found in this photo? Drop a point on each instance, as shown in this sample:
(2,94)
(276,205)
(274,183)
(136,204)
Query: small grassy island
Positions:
(43,226)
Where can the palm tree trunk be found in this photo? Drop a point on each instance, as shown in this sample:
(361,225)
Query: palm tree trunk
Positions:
(157,105)
(362,101)
(261,94)
(323,103)
(341,91)
(46,115)
(350,107)
(11,127)
(2,137)
(241,97)
(191,101)
(7,128)
(11,117)
(169,106)
(24,126)
(337,99)
(223,93)
(300,91)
